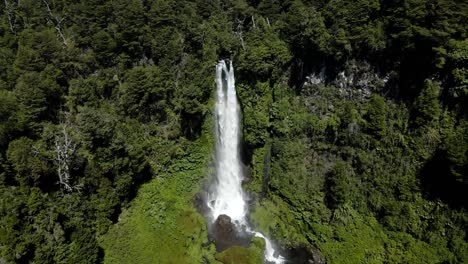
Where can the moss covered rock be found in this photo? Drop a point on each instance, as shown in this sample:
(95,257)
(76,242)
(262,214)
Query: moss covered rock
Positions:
(247,255)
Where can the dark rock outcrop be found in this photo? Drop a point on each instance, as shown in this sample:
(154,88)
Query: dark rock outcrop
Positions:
(303,255)
(226,234)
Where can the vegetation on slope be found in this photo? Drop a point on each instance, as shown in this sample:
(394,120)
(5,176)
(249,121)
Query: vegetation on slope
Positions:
(161,223)
(354,193)
(354,121)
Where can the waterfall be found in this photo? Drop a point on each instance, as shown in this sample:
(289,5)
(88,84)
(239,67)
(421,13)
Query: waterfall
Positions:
(228,197)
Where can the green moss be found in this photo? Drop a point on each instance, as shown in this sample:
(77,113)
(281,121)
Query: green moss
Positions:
(244,255)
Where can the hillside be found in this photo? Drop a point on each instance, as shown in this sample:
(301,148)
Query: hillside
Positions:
(354,128)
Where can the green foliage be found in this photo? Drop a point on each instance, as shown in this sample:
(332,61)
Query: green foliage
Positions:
(340,186)
(131,82)
(352,192)
(355,26)
(356,239)
(238,254)
(458,57)
(37,49)
(86,92)
(161,222)
(8,106)
(28,167)
(426,107)
(376,116)
(305,27)
(256,101)
(277,220)
(266,54)
(143,95)
(289,156)
(457,151)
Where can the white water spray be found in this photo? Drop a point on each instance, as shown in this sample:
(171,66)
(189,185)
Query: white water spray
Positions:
(228,196)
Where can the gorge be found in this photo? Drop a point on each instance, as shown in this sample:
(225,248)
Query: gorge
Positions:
(227,197)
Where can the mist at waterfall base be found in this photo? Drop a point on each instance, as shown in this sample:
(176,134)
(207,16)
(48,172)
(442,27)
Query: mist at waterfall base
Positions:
(227,197)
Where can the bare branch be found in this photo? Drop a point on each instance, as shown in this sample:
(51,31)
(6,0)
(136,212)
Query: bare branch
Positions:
(56,21)
(180,68)
(239,32)
(64,150)
(11,19)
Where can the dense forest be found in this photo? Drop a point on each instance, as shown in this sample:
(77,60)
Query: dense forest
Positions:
(354,116)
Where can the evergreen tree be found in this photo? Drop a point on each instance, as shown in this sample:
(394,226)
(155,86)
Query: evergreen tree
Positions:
(376,116)
(426,108)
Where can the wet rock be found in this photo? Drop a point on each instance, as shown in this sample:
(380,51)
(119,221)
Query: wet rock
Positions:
(199,202)
(226,234)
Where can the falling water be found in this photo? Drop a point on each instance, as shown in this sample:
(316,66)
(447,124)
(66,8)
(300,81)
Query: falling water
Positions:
(228,196)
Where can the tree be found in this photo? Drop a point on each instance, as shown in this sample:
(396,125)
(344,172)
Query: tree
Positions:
(266,54)
(39,96)
(57,22)
(426,108)
(339,186)
(305,29)
(376,116)
(456,145)
(36,50)
(8,106)
(356,27)
(28,166)
(143,94)
(457,62)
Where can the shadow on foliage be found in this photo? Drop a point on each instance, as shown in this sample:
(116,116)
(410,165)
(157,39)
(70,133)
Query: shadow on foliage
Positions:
(192,125)
(437,182)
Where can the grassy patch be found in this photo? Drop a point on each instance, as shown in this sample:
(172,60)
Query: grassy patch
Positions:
(161,225)
(238,254)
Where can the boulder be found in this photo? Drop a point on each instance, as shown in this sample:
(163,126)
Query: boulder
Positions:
(226,234)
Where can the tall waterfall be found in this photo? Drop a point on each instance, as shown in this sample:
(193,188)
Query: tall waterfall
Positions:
(228,197)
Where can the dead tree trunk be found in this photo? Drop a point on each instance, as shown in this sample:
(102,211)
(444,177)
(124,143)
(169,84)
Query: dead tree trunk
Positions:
(11,18)
(56,22)
(64,150)
(239,33)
